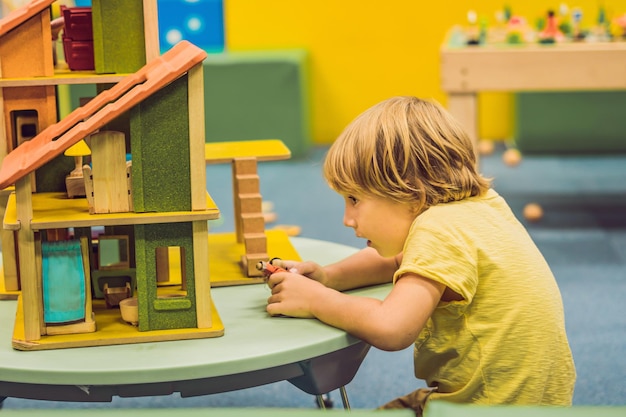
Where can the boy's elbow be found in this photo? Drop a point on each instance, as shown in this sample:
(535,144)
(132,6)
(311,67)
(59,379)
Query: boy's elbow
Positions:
(392,343)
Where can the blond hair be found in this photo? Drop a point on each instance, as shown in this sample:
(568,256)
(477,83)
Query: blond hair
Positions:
(406,149)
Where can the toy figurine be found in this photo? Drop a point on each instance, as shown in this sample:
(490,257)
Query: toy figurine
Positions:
(601,31)
(473,31)
(268,268)
(618,27)
(577,16)
(551,32)
(517,30)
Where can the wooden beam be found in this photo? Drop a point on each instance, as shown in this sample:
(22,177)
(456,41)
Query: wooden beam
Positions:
(28,261)
(195,87)
(201,274)
(4,146)
(464,108)
(110,185)
(151,29)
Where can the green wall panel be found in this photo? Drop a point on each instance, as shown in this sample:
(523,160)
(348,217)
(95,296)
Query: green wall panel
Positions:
(258,95)
(571,122)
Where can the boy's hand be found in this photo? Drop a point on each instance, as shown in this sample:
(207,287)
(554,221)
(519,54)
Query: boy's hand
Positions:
(292,295)
(308,269)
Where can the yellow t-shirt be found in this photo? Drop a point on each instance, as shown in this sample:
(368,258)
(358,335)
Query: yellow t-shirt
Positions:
(505,343)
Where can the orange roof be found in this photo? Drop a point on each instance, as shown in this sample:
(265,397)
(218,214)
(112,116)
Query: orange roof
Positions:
(106,106)
(21,15)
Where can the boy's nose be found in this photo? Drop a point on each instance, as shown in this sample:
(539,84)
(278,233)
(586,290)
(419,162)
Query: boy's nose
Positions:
(348,221)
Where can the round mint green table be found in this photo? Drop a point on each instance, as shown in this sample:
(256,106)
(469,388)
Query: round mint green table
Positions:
(256,349)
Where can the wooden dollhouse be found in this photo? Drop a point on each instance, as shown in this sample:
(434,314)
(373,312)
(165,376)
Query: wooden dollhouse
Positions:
(141,231)
(155,203)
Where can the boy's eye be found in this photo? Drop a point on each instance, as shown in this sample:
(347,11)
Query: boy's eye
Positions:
(352,199)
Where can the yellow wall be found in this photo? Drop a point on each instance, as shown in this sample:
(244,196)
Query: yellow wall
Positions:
(364,51)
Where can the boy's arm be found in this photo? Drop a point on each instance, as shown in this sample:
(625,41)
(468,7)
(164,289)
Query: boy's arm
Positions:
(361,269)
(390,324)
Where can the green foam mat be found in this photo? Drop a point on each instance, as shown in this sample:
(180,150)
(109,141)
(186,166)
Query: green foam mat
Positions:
(258,95)
(571,122)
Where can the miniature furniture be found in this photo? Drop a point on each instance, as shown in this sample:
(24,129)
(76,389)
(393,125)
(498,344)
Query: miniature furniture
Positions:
(465,72)
(114,279)
(75,181)
(113,296)
(257,349)
(78,38)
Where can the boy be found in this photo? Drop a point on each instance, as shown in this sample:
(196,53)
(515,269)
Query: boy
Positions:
(471,290)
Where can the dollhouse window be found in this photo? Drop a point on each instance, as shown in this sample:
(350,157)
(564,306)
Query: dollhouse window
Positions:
(25,126)
(113,252)
(171,272)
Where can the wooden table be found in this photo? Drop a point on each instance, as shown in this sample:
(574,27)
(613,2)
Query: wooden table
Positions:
(467,71)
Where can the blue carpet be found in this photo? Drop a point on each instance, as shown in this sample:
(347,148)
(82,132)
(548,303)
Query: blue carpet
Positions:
(582,235)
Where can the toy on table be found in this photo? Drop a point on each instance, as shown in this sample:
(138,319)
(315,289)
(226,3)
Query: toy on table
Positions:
(602,29)
(268,268)
(507,12)
(482,31)
(551,32)
(74,181)
(577,33)
(473,30)
(517,31)
(618,27)
(129,310)
(563,21)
